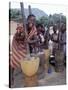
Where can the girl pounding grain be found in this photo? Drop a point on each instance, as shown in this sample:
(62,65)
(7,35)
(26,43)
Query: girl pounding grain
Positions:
(19,50)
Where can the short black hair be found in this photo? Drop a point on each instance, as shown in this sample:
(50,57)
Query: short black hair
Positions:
(31,15)
(63,26)
(39,25)
(54,26)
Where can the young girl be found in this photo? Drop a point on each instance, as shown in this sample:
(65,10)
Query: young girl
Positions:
(55,38)
(19,51)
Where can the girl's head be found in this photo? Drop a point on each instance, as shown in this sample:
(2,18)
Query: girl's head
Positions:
(63,27)
(55,28)
(31,20)
(40,28)
(19,28)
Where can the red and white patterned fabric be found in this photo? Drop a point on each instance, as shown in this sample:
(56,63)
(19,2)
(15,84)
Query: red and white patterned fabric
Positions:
(19,49)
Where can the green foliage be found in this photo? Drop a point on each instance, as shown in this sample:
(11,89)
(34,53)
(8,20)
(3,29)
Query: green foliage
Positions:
(52,19)
(44,20)
(15,14)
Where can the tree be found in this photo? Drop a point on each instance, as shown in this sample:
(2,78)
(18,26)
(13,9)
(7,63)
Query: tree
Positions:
(43,20)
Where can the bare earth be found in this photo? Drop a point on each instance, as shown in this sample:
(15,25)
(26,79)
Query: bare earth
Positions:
(52,79)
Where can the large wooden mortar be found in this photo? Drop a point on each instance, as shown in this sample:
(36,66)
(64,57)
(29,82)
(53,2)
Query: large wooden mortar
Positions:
(59,61)
(47,56)
(29,68)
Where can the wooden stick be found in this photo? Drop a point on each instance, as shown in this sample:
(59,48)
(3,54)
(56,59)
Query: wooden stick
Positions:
(24,23)
(59,36)
(29,7)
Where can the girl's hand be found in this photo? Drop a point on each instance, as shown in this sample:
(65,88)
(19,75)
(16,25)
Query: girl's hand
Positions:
(33,32)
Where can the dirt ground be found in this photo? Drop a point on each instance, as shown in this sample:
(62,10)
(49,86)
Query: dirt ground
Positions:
(46,79)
